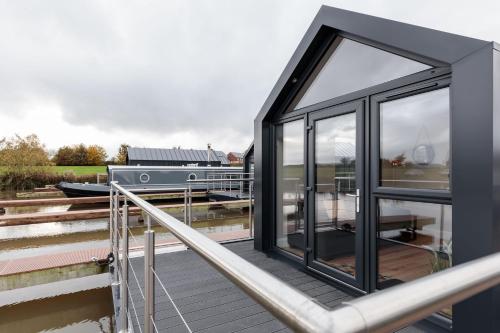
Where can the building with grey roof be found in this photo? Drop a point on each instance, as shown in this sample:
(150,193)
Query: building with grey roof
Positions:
(175,157)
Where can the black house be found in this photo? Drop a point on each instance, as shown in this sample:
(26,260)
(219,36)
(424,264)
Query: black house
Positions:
(175,157)
(377,157)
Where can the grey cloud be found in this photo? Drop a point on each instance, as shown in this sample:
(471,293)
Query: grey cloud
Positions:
(159,66)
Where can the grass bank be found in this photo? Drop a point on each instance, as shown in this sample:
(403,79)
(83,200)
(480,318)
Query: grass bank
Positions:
(78,170)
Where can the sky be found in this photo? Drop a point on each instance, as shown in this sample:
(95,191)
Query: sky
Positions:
(170,73)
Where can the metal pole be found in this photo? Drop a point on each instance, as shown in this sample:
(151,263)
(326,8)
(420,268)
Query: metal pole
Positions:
(250,222)
(190,201)
(149,283)
(185,206)
(111,221)
(116,206)
(124,281)
(148,222)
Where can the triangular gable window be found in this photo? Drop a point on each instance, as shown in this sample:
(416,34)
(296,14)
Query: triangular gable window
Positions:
(350,66)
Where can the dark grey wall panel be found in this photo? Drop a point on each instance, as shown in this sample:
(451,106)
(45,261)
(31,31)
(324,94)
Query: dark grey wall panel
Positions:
(475,209)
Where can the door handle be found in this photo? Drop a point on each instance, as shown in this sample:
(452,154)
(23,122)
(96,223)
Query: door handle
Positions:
(357,199)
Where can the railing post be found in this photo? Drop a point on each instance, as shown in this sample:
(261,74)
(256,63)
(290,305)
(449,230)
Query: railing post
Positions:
(149,291)
(124,281)
(185,206)
(111,220)
(190,202)
(116,205)
(250,224)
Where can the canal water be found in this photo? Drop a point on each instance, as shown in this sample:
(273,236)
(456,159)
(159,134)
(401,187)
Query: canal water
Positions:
(80,312)
(91,310)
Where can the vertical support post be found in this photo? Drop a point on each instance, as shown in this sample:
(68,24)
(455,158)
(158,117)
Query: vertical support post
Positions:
(250,222)
(149,292)
(116,205)
(124,281)
(111,220)
(185,206)
(148,222)
(190,202)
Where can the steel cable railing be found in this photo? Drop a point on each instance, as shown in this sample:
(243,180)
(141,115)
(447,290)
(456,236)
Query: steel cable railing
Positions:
(172,301)
(133,307)
(120,247)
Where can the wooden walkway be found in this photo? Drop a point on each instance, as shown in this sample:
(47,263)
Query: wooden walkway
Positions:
(211,303)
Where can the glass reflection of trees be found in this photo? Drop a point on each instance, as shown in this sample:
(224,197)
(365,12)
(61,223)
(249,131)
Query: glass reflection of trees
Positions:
(415,141)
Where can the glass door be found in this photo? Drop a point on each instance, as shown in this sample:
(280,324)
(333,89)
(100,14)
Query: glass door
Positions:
(335,224)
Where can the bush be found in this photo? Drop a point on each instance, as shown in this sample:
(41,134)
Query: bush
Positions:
(12,180)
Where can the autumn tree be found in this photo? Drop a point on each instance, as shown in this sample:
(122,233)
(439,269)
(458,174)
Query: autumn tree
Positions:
(64,156)
(80,155)
(96,155)
(121,157)
(19,154)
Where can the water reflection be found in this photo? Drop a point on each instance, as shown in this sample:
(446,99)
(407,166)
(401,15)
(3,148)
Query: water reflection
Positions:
(87,311)
(57,237)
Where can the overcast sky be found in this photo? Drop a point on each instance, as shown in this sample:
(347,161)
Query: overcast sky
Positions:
(170,73)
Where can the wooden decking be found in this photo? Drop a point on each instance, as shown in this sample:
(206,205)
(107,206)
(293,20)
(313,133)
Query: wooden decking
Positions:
(211,303)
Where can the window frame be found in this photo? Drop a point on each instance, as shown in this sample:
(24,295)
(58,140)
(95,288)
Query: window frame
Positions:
(375,101)
(274,230)
(378,192)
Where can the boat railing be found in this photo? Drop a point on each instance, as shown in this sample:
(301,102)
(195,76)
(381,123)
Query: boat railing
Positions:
(383,311)
(227,181)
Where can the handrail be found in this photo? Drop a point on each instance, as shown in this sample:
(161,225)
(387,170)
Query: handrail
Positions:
(384,311)
(218,180)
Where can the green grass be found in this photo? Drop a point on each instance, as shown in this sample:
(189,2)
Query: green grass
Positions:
(80,170)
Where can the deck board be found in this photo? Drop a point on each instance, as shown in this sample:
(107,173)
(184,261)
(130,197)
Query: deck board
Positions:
(212,304)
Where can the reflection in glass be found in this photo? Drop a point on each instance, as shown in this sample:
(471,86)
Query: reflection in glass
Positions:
(335,213)
(350,66)
(414,240)
(290,187)
(415,141)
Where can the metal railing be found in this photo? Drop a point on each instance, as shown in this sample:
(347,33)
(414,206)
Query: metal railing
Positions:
(229,181)
(384,311)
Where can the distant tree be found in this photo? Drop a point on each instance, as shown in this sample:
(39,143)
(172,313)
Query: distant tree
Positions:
(18,153)
(121,157)
(80,154)
(96,155)
(64,156)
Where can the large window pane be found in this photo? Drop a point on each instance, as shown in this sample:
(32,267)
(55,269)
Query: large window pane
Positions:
(335,204)
(350,66)
(290,187)
(415,141)
(414,240)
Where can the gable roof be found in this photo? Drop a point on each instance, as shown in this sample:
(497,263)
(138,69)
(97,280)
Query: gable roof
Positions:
(235,154)
(175,154)
(437,47)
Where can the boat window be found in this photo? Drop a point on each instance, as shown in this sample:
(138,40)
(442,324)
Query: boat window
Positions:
(349,66)
(414,239)
(192,176)
(415,141)
(290,187)
(144,178)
